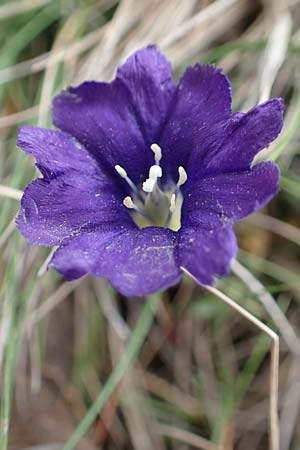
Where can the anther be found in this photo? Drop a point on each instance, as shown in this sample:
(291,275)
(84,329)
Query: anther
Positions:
(182,176)
(128,203)
(122,172)
(157,153)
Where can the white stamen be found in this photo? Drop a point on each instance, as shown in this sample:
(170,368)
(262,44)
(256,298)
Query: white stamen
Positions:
(182,176)
(157,152)
(148,185)
(155,172)
(128,203)
(122,172)
(172,203)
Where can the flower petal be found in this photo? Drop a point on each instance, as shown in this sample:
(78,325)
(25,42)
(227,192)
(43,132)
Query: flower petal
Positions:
(245,136)
(201,105)
(65,206)
(226,198)
(55,152)
(148,77)
(101,117)
(137,262)
(117,122)
(206,253)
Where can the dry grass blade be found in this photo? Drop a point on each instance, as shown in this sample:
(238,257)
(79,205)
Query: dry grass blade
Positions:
(111,311)
(212,10)
(290,407)
(51,302)
(9,192)
(185,437)
(158,386)
(275,53)
(44,266)
(270,306)
(274,371)
(276,226)
(7,233)
(21,116)
(4,325)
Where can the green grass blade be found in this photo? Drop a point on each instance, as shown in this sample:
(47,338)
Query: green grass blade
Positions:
(290,186)
(134,345)
(28,33)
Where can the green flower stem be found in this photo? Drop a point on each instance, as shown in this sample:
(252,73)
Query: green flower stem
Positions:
(135,343)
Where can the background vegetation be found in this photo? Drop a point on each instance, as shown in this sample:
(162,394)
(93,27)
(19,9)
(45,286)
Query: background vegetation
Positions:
(201,379)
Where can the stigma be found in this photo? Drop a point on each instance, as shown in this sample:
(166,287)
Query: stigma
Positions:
(157,153)
(152,203)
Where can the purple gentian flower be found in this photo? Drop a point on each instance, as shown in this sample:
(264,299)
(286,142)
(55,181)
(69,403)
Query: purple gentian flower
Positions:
(145,176)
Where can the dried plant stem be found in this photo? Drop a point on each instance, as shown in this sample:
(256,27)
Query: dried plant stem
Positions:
(277,226)
(20,116)
(44,266)
(283,325)
(186,437)
(4,328)
(274,370)
(51,302)
(212,10)
(7,232)
(275,52)
(290,406)
(9,192)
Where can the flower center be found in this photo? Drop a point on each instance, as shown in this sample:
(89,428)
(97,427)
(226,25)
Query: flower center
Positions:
(150,205)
